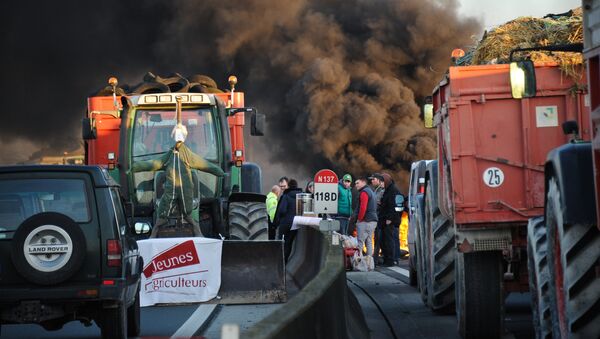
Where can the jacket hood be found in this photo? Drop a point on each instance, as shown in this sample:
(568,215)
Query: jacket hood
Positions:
(387,179)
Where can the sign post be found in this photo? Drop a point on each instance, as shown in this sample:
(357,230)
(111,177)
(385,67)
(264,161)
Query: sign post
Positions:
(326,192)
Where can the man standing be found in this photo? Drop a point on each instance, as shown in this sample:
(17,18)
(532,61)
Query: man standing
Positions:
(271,202)
(283,183)
(378,189)
(366,214)
(344,202)
(389,219)
(284,216)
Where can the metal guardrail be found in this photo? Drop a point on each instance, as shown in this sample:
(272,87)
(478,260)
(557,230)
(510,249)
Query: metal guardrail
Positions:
(323,308)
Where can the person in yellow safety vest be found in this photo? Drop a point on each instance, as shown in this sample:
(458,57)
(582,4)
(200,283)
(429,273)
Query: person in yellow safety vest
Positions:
(271,202)
(272,198)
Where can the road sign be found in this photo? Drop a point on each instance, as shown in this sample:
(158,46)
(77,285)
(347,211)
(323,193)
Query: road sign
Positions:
(326,192)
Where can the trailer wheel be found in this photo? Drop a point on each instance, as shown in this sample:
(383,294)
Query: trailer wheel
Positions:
(539,279)
(440,256)
(573,252)
(248,221)
(479,296)
(420,262)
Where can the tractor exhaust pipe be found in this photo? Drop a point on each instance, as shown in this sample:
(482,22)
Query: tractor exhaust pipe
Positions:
(178,104)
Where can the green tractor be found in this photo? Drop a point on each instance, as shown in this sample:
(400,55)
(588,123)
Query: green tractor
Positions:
(121,129)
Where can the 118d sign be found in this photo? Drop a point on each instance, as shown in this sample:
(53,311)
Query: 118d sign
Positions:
(326,192)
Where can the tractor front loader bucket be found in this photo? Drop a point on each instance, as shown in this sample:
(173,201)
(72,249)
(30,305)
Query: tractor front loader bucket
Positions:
(252,272)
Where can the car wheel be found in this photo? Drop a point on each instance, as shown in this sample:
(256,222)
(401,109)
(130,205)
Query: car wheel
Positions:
(133,316)
(114,323)
(48,248)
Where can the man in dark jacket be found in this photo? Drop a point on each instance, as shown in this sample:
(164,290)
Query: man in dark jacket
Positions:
(284,216)
(389,219)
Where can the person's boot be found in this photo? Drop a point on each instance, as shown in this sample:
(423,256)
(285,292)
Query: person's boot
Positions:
(159,223)
(195,226)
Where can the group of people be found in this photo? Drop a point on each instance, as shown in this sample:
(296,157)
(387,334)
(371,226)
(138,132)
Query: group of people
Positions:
(370,210)
(377,218)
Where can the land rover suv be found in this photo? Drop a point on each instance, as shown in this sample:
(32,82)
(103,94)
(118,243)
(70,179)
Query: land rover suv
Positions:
(67,251)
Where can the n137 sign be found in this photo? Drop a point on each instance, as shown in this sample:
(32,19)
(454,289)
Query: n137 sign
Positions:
(326,192)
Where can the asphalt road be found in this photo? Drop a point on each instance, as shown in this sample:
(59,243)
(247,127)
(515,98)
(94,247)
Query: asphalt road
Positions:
(180,321)
(155,321)
(386,291)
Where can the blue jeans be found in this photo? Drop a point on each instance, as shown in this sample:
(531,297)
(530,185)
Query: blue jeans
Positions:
(343,223)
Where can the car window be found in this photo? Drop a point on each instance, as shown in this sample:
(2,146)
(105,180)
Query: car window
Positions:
(22,198)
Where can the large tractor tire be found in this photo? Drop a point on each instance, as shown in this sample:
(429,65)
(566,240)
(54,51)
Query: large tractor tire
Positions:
(479,295)
(573,252)
(440,256)
(248,221)
(539,279)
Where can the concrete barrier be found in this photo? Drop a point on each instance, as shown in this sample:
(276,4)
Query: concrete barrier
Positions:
(324,307)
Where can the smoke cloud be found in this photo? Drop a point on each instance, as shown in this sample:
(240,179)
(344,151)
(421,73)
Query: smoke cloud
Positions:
(341,81)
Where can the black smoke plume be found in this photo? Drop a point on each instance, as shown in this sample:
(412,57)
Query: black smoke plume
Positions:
(340,80)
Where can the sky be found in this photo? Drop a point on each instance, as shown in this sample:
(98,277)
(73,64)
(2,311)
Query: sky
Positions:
(494,13)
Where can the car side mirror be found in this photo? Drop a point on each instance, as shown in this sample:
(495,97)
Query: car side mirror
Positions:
(257,127)
(399,200)
(522,79)
(142,228)
(88,129)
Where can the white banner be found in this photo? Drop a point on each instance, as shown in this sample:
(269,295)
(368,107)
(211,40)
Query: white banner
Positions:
(180,270)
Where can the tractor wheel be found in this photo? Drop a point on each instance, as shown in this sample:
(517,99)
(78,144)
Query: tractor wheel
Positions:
(248,221)
(440,256)
(539,278)
(479,296)
(573,252)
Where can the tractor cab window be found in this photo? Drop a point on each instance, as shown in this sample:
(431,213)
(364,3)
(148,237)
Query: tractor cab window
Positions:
(152,138)
(152,133)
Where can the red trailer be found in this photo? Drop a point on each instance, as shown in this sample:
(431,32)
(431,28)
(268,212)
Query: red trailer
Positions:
(492,151)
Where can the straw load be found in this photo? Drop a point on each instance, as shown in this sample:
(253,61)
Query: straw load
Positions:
(526,32)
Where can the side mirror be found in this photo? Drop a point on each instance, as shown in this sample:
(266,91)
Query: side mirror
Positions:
(428,115)
(570,127)
(399,200)
(88,129)
(142,228)
(257,126)
(155,117)
(522,79)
